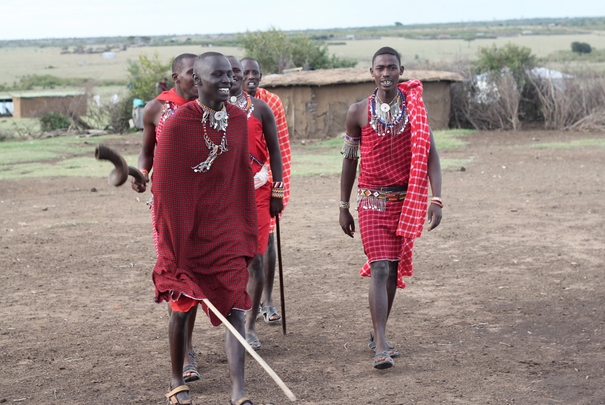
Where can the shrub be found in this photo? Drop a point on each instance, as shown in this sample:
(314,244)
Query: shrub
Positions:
(145,74)
(52,121)
(581,47)
(276,51)
(517,59)
(119,115)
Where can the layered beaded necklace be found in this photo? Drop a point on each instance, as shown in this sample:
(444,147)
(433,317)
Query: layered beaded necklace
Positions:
(244,102)
(388,118)
(218,120)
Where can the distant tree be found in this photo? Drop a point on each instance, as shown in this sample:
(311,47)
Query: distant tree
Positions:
(581,47)
(275,51)
(145,74)
(146,40)
(511,56)
(188,41)
(398,24)
(130,40)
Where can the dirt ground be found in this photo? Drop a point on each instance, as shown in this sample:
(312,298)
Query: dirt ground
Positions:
(506,305)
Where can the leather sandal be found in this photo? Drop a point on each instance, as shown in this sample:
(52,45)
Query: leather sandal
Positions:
(171,398)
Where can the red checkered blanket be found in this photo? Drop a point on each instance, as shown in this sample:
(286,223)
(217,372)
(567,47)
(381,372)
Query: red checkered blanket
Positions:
(206,222)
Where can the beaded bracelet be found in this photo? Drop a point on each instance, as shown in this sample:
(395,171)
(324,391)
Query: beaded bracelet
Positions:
(278,189)
(437,201)
(143,171)
(345,205)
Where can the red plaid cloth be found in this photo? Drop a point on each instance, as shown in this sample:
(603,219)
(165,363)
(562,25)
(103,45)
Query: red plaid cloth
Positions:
(284,140)
(413,210)
(258,149)
(206,222)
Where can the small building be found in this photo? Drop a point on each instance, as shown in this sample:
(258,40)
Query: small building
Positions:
(36,104)
(316,101)
(109,55)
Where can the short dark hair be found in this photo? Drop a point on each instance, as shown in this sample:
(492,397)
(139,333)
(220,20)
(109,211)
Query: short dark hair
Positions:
(387,50)
(177,63)
(248,58)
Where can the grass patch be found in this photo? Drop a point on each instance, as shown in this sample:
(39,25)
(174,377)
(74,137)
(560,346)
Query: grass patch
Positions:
(50,148)
(313,165)
(567,145)
(449,138)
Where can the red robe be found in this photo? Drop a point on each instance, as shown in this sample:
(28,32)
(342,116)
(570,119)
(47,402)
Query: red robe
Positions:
(206,222)
(258,152)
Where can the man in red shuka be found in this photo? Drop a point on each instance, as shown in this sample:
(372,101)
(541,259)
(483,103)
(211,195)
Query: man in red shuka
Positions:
(262,139)
(155,115)
(206,218)
(398,158)
(252,78)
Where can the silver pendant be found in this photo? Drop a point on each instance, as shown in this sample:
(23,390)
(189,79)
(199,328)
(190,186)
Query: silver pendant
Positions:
(233,99)
(384,107)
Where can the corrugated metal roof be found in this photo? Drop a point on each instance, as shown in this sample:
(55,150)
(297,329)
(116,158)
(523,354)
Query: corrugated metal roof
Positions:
(325,77)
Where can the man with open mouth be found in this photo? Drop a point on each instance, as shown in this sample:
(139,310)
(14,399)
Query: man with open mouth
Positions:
(252,78)
(206,218)
(263,143)
(390,132)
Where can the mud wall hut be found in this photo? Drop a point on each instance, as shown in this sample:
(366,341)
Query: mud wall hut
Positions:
(317,101)
(37,104)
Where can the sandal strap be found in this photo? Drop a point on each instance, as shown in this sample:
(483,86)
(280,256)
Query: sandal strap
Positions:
(241,401)
(178,389)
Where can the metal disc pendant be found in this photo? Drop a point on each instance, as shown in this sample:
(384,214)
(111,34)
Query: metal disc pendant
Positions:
(219,115)
(233,99)
(384,107)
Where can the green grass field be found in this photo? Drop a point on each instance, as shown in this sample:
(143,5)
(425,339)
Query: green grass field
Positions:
(21,61)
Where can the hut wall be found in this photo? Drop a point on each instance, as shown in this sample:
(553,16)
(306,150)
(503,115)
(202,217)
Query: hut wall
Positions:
(34,107)
(319,112)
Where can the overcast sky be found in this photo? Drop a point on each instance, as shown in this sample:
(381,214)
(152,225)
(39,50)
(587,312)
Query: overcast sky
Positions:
(31,19)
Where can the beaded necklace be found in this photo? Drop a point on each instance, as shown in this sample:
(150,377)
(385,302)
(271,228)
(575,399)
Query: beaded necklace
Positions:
(391,118)
(244,102)
(218,121)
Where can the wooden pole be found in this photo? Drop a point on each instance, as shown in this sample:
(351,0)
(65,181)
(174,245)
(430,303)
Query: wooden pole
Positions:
(281,277)
(250,350)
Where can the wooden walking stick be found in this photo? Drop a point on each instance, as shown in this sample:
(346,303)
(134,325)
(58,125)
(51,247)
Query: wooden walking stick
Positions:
(281,277)
(250,350)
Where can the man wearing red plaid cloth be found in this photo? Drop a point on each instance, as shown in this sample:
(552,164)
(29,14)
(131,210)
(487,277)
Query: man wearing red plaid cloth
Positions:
(398,158)
(252,78)
(206,217)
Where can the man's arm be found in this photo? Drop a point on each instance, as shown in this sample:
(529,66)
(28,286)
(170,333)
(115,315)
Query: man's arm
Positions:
(151,118)
(270,132)
(434,172)
(349,172)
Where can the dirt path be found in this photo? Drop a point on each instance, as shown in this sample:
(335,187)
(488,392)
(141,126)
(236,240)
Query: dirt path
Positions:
(506,304)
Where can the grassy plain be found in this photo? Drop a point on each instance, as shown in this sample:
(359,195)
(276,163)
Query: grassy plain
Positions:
(17,62)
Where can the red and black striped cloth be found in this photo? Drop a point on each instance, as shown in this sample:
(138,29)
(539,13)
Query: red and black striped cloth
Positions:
(206,222)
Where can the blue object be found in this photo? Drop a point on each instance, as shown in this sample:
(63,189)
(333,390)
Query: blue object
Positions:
(137,102)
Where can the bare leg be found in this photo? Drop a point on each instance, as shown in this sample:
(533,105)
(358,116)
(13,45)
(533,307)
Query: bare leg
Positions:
(269,263)
(190,325)
(255,290)
(379,302)
(235,355)
(392,285)
(177,336)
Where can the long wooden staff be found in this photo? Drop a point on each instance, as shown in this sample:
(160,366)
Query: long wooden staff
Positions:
(250,350)
(281,277)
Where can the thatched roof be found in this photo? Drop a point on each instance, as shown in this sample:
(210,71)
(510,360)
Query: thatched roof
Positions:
(325,77)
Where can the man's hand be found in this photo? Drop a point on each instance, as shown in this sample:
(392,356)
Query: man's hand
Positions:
(276,206)
(434,214)
(138,187)
(347,223)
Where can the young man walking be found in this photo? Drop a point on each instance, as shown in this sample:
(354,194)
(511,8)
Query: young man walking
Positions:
(252,78)
(390,132)
(263,143)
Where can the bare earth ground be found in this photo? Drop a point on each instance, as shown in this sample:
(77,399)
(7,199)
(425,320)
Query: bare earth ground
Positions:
(506,304)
